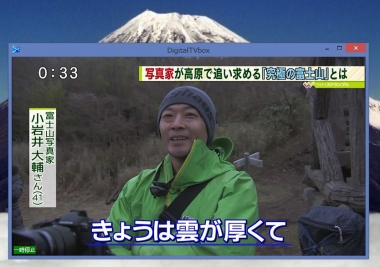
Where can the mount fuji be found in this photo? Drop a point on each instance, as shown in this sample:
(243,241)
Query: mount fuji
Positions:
(150,27)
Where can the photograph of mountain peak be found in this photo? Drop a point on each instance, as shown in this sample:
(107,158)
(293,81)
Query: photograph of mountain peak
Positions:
(374,155)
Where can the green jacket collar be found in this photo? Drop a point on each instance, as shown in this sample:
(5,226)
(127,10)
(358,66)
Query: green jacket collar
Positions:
(202,163)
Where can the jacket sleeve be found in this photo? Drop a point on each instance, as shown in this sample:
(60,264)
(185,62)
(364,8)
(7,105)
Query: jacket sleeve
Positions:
(121,211)
(239,202)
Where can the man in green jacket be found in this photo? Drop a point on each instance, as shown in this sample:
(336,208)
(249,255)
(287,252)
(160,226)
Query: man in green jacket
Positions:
(186,123)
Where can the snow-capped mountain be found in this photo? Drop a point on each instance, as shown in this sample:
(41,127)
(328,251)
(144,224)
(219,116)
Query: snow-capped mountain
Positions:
(374,155)
(150,27)
(374,113)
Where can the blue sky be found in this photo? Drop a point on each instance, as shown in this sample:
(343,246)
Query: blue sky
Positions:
(257,21)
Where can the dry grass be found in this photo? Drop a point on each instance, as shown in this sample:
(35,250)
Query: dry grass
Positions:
(86,166)
(99,170)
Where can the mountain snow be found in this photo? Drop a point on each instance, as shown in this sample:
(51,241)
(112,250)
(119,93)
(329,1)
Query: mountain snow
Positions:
(374,113)
(150,27)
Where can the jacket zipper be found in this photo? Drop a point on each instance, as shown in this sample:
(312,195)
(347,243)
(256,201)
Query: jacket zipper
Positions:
(168,199)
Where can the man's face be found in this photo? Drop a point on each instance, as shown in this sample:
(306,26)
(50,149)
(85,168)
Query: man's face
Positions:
(180,125)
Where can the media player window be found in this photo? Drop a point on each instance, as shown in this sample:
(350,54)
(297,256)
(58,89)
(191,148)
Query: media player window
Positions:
(189,150)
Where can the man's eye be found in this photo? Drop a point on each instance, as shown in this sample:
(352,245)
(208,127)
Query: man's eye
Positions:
(190,114)
(166,115)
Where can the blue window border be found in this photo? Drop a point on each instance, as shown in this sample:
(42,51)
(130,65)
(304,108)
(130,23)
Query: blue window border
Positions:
(162,50)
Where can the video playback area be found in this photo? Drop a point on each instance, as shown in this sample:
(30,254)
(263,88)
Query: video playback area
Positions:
(104,146)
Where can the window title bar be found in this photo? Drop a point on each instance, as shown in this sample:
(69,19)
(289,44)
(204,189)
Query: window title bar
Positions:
(188,49)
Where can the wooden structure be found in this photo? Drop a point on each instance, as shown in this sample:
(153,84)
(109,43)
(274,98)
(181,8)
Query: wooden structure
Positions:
(249,160)
(113,196)
(337,165)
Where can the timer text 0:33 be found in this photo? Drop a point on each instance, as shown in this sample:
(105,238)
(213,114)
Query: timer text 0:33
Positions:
(62,73)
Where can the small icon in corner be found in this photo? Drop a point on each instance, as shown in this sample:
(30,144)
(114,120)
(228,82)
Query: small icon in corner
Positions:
(339,47)
(15,49)
(308,85)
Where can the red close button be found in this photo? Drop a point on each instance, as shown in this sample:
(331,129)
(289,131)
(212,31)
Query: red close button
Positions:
(361,48)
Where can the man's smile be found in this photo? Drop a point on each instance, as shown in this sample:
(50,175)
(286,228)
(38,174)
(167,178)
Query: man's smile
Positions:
(178,138)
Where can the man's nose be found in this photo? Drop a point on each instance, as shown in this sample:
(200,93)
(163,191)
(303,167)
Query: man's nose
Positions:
(178,122)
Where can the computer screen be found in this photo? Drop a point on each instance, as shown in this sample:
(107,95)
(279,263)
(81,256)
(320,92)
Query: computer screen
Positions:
(264,146)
